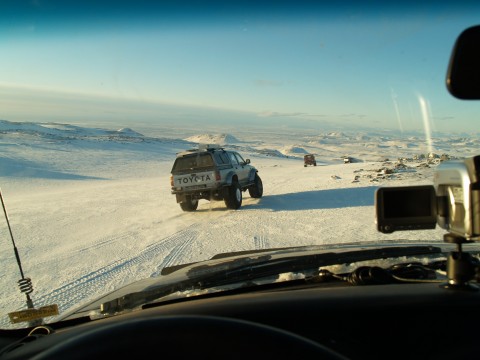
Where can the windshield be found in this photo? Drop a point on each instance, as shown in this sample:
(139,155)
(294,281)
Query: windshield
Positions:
(98,100)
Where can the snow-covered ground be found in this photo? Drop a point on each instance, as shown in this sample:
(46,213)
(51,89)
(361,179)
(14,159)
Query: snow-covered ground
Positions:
(91,210)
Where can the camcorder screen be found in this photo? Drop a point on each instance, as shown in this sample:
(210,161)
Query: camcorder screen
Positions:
(405,208)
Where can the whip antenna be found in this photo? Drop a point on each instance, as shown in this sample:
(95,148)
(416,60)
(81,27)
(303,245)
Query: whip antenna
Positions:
(32,315)
(24,283)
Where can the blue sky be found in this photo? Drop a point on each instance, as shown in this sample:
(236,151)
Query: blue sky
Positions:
(355,66)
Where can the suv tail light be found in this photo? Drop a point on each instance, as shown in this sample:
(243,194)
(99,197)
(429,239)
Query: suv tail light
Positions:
(171,180)
(217,176)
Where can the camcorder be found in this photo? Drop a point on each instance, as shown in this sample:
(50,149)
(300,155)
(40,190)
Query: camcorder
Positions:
(452,202)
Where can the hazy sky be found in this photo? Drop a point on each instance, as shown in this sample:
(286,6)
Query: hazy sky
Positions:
(359,66)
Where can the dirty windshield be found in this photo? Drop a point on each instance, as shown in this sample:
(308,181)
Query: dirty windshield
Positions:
(328,101)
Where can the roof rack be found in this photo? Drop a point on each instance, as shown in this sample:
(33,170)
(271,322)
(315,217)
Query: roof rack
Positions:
(201,147)
(209,147)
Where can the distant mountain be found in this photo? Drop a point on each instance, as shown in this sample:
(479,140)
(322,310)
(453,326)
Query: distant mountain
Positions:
(128,132)
(294,150)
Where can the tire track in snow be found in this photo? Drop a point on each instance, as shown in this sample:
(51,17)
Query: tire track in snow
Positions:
(95,283)
(261,242)
(189,235)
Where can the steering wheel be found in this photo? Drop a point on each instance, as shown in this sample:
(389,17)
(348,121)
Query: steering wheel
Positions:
(188,337)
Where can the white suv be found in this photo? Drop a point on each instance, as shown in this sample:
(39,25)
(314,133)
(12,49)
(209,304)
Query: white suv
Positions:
(213,173)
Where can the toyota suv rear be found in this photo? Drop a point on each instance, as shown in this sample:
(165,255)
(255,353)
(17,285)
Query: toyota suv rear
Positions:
(213,173)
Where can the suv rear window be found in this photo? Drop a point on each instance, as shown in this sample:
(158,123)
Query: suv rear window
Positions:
(194,161)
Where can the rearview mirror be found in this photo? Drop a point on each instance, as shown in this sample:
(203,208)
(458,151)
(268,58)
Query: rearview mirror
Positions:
(463,76)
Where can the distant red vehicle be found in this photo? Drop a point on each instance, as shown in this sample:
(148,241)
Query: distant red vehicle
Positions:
(309,159)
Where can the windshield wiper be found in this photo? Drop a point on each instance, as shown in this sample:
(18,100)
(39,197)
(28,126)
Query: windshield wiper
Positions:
(247,269)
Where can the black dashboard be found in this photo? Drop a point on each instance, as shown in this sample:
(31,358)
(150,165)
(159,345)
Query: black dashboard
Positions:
(332,321)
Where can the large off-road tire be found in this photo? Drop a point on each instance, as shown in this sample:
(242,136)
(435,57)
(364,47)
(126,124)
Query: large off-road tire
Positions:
(189,204)
(256,190)
(233,196)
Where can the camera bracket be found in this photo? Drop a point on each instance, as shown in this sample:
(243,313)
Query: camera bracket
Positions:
(461,266)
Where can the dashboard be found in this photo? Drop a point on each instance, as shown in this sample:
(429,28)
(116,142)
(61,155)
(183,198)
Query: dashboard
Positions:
(329,321)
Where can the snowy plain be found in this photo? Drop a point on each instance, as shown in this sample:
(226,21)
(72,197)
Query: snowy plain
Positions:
(90,208)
